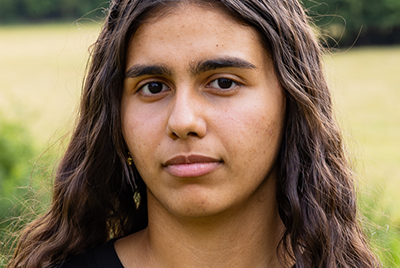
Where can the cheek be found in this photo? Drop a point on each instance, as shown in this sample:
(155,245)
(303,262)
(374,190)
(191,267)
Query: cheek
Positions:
(254,131)
(142,133)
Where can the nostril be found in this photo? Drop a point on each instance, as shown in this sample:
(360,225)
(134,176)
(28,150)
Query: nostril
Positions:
(183,136)
(192,134)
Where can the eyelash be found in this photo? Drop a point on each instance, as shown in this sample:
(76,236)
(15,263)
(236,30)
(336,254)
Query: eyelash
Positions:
(163,85)
(208,85)
(234,84)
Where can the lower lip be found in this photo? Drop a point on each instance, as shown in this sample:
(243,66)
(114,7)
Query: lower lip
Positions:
(192,169)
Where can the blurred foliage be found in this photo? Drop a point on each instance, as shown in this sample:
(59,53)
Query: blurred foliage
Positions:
(44,10)
(356,22)
(20,197)
(379,225)
(17,151)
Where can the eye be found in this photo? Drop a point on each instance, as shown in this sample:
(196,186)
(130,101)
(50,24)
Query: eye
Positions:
(153,88)
(222,83)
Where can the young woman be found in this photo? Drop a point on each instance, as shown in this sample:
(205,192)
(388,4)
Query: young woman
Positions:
(205,139)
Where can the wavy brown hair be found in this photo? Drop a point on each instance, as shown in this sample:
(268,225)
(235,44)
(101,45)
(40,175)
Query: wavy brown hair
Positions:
(92,200)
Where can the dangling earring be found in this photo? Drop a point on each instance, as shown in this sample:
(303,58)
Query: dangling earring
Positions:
(129,160)
(136,195)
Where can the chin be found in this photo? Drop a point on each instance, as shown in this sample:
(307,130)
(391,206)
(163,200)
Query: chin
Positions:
(197,203)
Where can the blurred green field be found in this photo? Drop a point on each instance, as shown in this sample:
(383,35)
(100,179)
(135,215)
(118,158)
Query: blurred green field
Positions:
(41,72)
(366,89)
(42,67)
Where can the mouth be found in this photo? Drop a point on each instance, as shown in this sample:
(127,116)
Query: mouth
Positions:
(191,165)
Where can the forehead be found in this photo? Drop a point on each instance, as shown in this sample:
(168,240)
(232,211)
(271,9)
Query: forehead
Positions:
(193,31)
(170,8)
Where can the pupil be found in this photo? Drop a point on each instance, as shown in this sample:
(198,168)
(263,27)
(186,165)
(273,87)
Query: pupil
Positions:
(224,83)
(155,87)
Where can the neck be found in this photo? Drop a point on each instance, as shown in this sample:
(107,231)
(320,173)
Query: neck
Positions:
(246,236)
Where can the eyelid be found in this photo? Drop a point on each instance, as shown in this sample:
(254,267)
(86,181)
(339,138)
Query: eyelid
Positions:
(234,83)
(139,85)
(234,78)
(151,97)
(146,86)
(238,80)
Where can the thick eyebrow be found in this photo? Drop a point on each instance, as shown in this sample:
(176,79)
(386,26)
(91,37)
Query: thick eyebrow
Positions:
(196,68)
(140,70)
(209,65)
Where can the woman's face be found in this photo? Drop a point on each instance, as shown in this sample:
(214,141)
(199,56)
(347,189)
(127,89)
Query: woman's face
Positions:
(202,112)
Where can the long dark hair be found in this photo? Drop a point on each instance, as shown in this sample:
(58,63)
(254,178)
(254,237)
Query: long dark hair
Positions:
(93,188)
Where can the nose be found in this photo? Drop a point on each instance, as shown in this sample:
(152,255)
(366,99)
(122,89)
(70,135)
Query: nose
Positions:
(187,116)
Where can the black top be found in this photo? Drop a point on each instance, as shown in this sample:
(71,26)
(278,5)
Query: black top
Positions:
(101,257)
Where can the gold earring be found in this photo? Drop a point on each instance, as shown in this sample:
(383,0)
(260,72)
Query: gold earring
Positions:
(129,160)
(137,198)
(136,195)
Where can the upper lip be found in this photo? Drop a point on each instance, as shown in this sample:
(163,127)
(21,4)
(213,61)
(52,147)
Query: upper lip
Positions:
(189,159)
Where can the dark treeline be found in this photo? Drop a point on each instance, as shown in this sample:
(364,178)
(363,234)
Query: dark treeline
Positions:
(348,22)
(357,22)
(27,11)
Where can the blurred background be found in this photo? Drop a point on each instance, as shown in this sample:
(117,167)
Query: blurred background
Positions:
(44,46)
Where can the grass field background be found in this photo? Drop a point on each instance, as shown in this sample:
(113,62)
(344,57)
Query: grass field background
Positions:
(41,72)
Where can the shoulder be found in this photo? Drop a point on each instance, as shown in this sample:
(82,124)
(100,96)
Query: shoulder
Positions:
(100,257)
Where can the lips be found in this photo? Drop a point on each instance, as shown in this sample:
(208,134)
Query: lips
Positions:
(191,165)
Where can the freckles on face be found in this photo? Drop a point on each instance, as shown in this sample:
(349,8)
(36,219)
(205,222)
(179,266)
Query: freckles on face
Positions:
(255,130)
(202,110)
